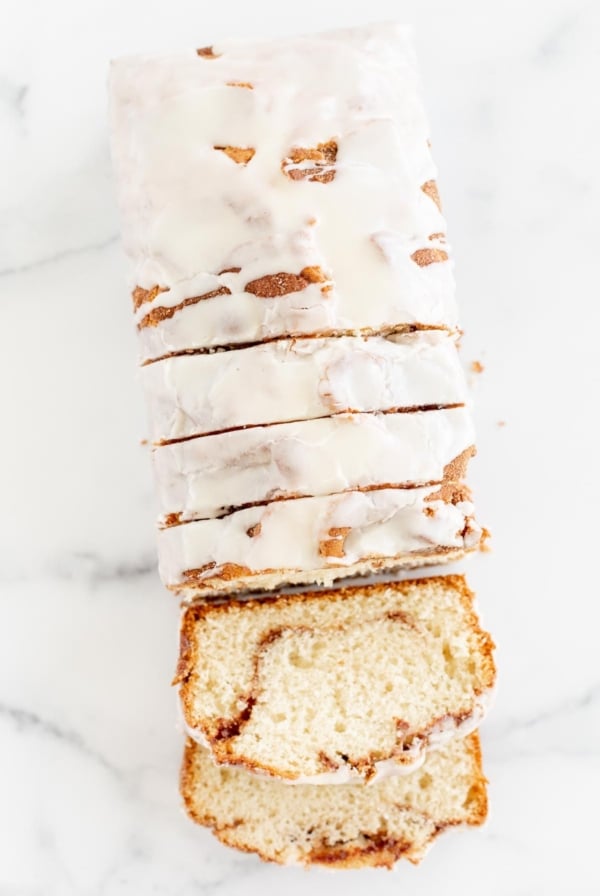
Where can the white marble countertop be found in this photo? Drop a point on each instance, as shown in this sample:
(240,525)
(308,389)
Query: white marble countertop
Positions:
(89,749)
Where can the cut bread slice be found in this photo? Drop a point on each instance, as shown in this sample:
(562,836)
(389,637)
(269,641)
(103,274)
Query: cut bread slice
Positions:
(339,826)
(228,315)
(318,540)
(337,685)
(300,380)
(274,154)
(211,475)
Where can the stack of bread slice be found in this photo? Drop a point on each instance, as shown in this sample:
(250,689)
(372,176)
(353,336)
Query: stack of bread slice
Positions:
(336,727)
(294,299)
(338,825)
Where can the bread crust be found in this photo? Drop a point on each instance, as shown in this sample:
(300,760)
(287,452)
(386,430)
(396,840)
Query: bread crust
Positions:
(252,581)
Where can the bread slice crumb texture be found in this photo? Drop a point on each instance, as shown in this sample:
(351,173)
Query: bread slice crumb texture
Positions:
(307,685)
(337,826)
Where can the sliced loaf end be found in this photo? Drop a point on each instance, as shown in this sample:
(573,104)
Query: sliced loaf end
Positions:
(337,826)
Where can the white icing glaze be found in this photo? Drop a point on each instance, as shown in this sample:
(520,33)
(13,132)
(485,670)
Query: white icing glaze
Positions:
(299,380)
(203,477)
(289,534)
(189,211)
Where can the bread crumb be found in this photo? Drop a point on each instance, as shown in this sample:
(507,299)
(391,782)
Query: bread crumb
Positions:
(207,53)
(239,154)
(477,367)
(485,541)
(254,530)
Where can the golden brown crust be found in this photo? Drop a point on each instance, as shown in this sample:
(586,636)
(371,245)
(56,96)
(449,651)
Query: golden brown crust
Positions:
(477,797)
(225,572)
(324,155)
(430,189)
(449,493)
(220,733)
(164,312)
(424,257)
(142,296)
(486,536)
(379,850)
(195,612)
(314,274)
(452,489)
(333,545)
(187,654)
(204,587)
(186,784)
(456,469)
(454,581)
(273,286)
(241,155)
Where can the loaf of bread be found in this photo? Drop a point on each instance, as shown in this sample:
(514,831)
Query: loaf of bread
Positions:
(294,300)
(290,275)
(338,685)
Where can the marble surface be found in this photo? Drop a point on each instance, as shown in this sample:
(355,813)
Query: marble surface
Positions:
(89,748)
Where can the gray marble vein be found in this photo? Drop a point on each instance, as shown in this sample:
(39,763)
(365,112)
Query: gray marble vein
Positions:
(58,256)
(23,721)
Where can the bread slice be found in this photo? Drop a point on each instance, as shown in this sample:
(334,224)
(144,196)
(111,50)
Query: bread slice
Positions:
(210,476)
(317,540)
(339,826)
(335,685)
(302,379)
(227,315)
(274,153)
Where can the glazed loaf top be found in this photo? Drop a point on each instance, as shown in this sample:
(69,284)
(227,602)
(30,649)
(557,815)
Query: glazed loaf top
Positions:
(285,188)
